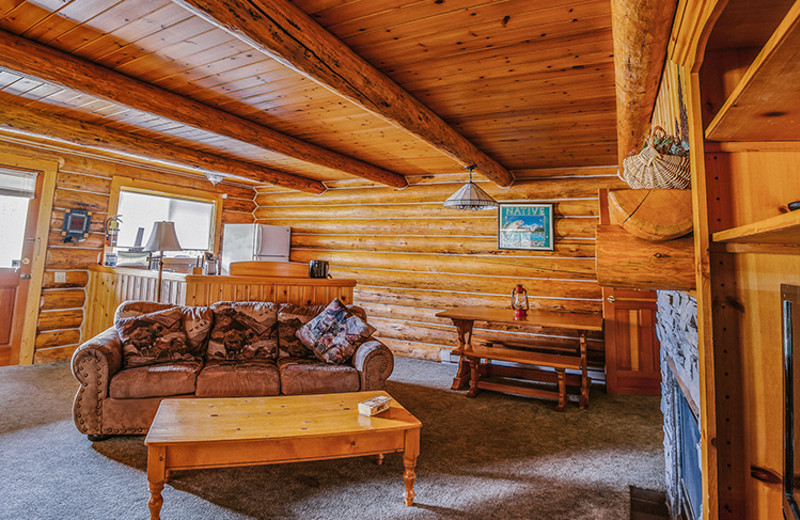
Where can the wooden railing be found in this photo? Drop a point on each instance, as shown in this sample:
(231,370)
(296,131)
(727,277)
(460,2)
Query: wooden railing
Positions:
(110,286)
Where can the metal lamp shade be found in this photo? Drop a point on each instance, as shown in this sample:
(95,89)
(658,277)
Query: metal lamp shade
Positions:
(163,238)
(470,197)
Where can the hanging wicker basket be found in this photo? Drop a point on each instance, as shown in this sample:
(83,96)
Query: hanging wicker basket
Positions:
(654,168)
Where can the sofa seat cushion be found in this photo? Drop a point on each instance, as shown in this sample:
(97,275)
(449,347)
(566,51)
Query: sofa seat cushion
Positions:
(308,376)
(160,380)
(252,378)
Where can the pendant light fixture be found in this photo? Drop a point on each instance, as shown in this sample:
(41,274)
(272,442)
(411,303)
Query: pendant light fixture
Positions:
(470,196)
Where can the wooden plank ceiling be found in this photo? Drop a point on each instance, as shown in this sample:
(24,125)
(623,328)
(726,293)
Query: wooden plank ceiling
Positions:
(528,83)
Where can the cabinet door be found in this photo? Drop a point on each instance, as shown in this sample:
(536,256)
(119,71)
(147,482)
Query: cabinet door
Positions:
(632,362)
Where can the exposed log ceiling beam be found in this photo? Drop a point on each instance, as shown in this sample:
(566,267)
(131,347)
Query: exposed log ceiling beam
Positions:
(285,33)
(641,30)
(53,66)
(28,122)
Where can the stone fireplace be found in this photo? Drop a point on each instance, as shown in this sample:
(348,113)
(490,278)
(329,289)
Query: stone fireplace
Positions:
(676,329)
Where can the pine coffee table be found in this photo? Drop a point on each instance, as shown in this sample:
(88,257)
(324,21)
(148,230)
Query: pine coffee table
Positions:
(246,431)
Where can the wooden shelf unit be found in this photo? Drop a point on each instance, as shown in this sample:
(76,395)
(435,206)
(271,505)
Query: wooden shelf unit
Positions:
(763,106)
(781,229)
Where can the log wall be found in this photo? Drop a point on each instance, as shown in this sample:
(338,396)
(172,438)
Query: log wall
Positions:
(85,182)
(412,257)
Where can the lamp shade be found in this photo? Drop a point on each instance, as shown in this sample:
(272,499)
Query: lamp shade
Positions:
(470,196)
(163,238)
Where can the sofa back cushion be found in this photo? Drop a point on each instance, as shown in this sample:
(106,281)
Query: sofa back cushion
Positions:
(335,333)
(153,337)
(290,318)
(244,330)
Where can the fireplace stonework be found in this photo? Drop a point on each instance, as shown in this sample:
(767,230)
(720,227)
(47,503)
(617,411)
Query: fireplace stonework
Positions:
(676,328)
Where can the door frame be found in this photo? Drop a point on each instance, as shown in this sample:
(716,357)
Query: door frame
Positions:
(47,165)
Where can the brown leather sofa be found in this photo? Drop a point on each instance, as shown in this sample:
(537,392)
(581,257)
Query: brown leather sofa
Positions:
(115,399)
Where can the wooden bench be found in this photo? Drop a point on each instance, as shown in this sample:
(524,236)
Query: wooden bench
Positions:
(524,355)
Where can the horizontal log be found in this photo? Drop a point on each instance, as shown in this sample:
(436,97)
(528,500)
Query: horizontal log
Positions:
(72,279)
(572,208)
(442,245)
(73,199)
(98,221)
(655,215)
(56,320)
(524,190)
(71,258)
(93,241)
(428,317)
(108,168)
(413,349)
(446,300)
(83,182)
(530,267)
(466,226)
(415,332)
(236,217)
(57,338)
(628,262)
(231,204)
(61,299)
(49,355)
(537,288)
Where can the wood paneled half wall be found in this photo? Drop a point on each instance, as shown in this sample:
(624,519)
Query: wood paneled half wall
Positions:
(413,258)
(85,182)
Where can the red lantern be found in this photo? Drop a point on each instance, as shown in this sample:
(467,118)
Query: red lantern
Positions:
(519,302)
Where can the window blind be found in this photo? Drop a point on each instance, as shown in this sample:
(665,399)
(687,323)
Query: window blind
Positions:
(17,183)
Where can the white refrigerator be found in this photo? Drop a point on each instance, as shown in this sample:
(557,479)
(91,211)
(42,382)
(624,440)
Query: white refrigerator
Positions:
(245,242)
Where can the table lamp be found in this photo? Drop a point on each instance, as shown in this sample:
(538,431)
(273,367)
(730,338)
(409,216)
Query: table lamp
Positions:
(162,238)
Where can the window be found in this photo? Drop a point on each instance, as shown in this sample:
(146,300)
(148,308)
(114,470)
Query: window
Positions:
(139,204)
(17,187)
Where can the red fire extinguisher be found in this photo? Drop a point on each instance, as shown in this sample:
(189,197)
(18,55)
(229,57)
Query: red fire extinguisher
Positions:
(112,230)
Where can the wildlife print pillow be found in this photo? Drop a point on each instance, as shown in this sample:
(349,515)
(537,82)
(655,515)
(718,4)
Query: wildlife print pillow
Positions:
(335,333)
(290,318)
(244,330)
(153,338)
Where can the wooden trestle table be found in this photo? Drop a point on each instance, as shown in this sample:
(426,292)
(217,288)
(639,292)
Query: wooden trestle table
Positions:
(246,431)
(470,367)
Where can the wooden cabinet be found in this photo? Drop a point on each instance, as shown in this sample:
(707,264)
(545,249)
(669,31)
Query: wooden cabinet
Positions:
(632,349)
(747,160)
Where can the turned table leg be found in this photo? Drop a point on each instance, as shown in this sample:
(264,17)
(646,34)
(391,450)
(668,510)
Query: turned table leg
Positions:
(156,475)
(475,367)
(410,453)
(562,390)
(379,459)
(464,330)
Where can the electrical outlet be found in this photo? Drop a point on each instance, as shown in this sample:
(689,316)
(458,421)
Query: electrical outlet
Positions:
(60,277)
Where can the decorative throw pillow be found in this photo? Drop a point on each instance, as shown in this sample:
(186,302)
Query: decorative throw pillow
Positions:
(244,330)
(155,337)
(290,318)
(335,333)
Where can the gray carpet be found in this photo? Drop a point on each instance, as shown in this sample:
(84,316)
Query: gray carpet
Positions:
(493,457)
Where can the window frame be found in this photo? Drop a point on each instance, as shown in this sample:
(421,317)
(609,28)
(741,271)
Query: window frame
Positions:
(119,183)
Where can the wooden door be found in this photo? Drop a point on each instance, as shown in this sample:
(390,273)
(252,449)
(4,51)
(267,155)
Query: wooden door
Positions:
(15,284)
(632,349)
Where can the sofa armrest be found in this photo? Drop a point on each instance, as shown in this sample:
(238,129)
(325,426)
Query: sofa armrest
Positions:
(93,365)
(374,362)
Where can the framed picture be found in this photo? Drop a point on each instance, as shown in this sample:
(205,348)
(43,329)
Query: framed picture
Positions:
(525,226)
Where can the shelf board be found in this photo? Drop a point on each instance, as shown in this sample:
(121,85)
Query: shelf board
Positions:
(782,229)
(764,107)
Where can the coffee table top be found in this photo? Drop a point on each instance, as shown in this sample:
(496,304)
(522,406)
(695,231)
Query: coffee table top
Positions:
(275,417)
